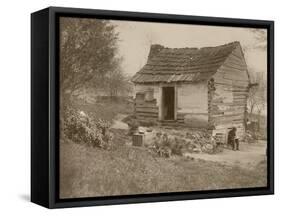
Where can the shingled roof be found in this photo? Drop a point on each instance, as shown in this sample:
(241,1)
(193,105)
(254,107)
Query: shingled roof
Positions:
(183,64)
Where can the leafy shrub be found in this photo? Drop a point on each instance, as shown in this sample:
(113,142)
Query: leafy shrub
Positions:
(178,146)
(166,145)
(80,128)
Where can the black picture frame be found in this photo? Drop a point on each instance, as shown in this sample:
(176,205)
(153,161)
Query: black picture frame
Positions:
(45,107)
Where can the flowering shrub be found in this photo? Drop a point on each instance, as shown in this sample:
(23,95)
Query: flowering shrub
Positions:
(166,145)
(80,128)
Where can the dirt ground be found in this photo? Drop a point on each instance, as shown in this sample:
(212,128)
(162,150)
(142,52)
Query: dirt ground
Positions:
(118,124)
(247,157)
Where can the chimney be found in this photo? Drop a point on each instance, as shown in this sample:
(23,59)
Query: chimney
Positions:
(154,50)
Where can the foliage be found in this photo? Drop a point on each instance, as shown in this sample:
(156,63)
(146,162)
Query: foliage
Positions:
(257,104)
(117,83)
(88,48)
(257,94)
(88,56)
(177,144)
(80,128)
(133,126)
(166,145)
(260,39)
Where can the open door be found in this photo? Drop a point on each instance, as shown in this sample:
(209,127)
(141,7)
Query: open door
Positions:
(168,104)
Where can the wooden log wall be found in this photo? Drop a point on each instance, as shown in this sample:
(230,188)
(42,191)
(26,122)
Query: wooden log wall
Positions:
(227,95)
(180,118)
(146,110)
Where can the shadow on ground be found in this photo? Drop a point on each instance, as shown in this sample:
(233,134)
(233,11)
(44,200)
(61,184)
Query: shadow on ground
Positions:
(25,197)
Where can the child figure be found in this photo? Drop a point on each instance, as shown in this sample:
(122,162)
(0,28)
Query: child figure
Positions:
(232,139)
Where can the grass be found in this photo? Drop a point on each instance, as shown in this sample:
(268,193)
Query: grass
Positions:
(91,172)
(105,110)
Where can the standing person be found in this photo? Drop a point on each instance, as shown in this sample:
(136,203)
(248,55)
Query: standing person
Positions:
(232,139)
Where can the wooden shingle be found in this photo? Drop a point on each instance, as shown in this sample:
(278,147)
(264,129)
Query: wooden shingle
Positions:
(183,64)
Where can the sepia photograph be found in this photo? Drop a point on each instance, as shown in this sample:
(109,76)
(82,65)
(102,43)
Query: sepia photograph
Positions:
(151,108)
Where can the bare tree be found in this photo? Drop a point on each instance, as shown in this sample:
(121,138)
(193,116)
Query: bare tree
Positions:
(257,96)
(260,40)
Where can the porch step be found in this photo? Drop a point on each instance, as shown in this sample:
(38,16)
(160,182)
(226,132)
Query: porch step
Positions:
(171,123)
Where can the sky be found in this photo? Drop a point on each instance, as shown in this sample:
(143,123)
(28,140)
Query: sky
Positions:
(135,39)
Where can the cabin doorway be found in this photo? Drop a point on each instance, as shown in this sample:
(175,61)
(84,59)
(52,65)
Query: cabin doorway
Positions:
(168,103)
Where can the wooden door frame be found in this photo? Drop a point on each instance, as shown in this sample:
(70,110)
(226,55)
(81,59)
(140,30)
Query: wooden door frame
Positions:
(161,104)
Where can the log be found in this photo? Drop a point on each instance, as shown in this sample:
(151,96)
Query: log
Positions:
(233,61)
(240,97)
(145,105)
(147,119)
(228,104)
(147,114)
(232,115)
(240,101)
(227,122)
(228,126)
(226,86)
(147,109)
(230,82)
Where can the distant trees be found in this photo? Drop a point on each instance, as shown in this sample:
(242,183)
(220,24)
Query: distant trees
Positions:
(88,55)
(260,40)
(257,95)
(117,83)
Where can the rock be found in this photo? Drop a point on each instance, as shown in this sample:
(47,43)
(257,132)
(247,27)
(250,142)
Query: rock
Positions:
(196,150)
(142,130)
(209,146)
(149,130)
(190,148)
(188,141)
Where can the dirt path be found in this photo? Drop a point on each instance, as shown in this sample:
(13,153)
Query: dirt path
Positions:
(118,124)
(248,156)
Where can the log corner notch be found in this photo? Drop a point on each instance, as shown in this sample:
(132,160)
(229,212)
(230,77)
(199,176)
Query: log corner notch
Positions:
(227,108)
(211,106)
(228,92)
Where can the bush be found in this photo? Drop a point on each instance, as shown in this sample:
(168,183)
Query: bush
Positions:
(166,145)
(80,128)
(133,126)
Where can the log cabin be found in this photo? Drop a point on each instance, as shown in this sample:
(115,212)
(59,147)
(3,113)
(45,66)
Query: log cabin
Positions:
(194,87)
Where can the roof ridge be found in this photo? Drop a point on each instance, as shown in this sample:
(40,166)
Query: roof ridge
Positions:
(184,64)
(197,48)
